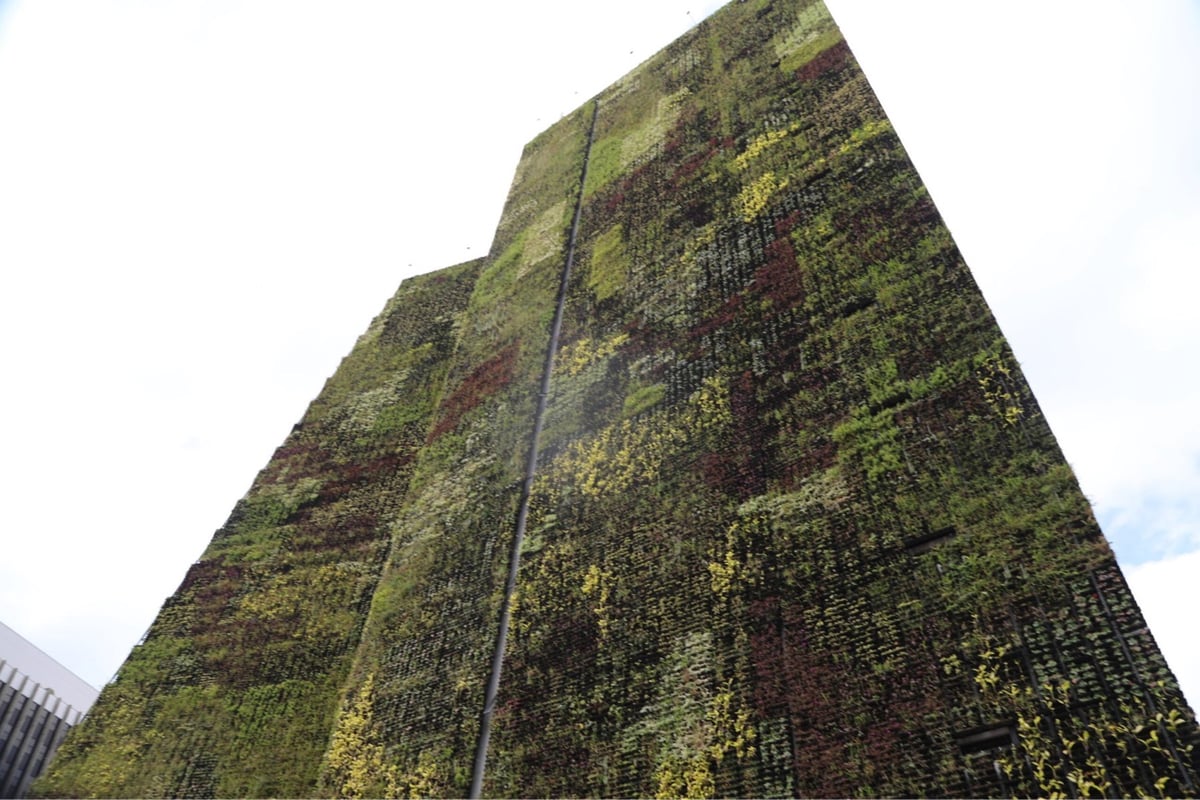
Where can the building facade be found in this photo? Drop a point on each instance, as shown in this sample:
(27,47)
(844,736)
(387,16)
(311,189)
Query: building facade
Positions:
(40,700)
(715,477)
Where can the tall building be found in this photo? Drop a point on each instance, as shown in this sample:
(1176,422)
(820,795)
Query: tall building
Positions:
(715,477)
(40,700)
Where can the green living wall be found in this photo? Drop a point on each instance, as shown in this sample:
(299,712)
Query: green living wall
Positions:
(797,527)
(234,689)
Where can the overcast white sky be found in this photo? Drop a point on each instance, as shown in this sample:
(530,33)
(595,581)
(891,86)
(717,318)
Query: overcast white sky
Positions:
(204,203)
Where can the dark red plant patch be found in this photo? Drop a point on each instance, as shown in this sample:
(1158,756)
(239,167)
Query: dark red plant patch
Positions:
(779,278)
(828,60)
(484,381)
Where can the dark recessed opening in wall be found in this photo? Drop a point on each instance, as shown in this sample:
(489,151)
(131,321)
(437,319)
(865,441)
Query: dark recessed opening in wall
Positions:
(856,305)
(890,402)
(928,541)
(989,737)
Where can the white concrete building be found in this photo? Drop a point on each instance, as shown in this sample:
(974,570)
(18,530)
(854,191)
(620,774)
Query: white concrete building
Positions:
(40,700)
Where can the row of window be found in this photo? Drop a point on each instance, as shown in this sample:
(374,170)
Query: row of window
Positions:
(30,731)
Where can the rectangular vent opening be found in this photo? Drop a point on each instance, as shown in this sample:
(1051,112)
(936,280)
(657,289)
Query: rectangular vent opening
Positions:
(856,305)
(992,737)
(930,540)
(890,402)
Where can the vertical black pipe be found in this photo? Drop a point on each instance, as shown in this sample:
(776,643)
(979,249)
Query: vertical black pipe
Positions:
(514,559)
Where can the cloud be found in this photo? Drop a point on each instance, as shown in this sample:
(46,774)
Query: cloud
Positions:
(1134,437)
(1160,312)
(1163,591)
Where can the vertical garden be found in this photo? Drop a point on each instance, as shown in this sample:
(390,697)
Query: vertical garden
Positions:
(797,526)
